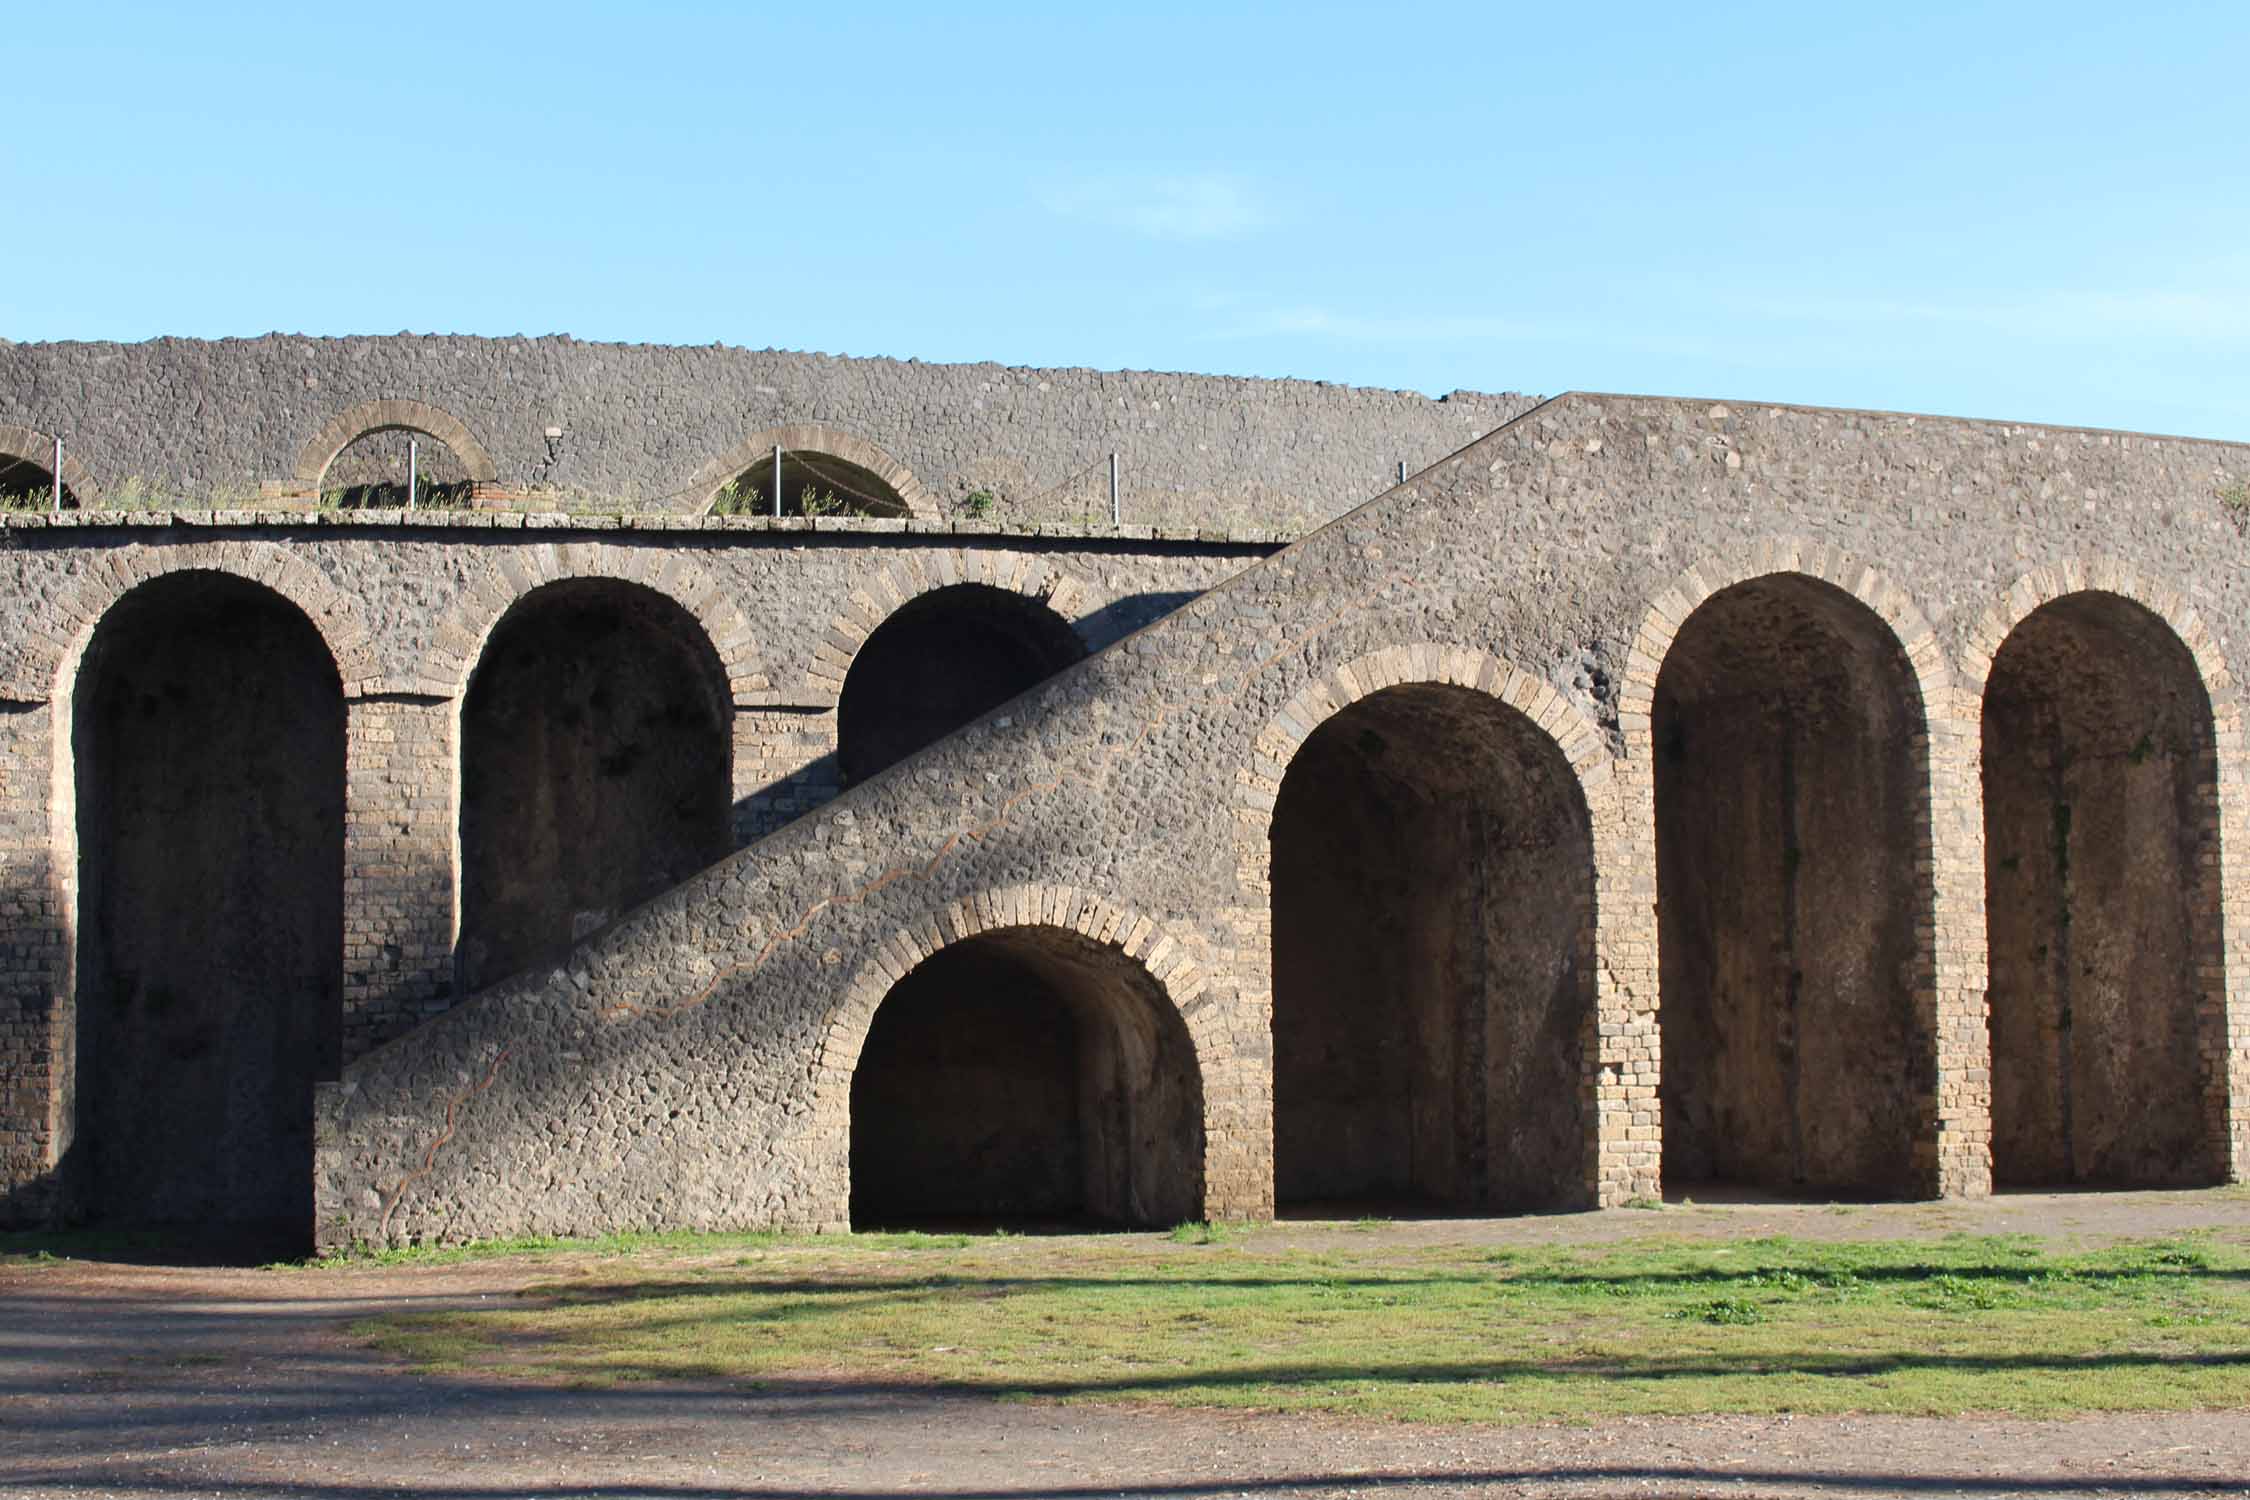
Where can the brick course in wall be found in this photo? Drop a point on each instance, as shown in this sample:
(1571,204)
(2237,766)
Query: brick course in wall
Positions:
(690,1063)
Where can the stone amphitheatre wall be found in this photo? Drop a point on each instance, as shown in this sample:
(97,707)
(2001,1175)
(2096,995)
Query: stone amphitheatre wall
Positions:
(555,423)
(405,615)
(695,1064)
(1616,805)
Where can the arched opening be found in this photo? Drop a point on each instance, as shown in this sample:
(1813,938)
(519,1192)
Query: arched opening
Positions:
(939,661)
(2100,819)
(1027,1075)
(208,741)
(1789,744)
(1432,974)
(26,484)
(812,484)
(596,753)
(371,472)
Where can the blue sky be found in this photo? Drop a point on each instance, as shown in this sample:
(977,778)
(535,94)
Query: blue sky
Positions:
(2038,212)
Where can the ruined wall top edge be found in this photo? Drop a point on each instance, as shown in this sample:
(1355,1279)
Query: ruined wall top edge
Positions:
(211,424)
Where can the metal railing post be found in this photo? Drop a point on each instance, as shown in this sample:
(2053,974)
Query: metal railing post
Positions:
(58,474)
(1114,513)
(413,469)
(777,480)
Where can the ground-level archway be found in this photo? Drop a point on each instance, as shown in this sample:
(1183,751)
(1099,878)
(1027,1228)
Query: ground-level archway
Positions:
(1791,797)
(2101,840)
(596,754)
(1026,1075)
(939,661)
(208,761)
(1432,878)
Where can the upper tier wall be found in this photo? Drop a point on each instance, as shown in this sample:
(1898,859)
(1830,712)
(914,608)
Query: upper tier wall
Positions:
(646,426)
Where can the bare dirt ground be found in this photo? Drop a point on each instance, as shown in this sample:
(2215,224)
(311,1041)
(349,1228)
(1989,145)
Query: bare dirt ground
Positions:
(167,1381)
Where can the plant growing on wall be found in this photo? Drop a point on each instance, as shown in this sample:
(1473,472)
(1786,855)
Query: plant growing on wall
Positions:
(744,497)
(2234,499)
(735,498)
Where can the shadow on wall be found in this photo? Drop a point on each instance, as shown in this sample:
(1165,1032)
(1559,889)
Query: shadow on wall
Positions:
(598,718)
(969,650)
(1119,619)
(939,661)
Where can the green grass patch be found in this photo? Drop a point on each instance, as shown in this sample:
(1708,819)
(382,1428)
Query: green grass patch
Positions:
(636,1242)
(1651,1326)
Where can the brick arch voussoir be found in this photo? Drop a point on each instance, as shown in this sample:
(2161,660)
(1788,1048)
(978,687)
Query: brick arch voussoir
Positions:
(458,640)
(50,658)
(1670,608)
(392,415)
(1067,908)
(702,490)
(886,588)
(2043,586)
(1948,757)
(37,447)
(1258,780)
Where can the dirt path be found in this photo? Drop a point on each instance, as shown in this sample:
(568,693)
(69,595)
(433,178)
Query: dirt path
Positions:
(147,1381)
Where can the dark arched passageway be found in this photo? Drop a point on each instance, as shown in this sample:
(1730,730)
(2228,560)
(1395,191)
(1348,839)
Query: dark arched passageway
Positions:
(1432,974)
(1789,743)
(371,472)
(1027,1075)
(208,736)
(25,485)
(812,484)
(2101,838)
(596,754)
(939,661)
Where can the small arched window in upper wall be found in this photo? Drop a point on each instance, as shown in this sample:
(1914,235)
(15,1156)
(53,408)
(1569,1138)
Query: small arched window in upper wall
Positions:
(812,484)
(25,485)
(371,472)
(27,475)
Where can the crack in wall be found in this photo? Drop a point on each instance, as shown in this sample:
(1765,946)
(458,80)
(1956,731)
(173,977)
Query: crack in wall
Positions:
(429,1157)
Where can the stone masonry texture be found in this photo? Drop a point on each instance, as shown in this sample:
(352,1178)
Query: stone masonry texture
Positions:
(691,1061)
(642,426)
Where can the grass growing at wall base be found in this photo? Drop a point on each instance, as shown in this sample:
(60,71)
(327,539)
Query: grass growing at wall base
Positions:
(1651,1326)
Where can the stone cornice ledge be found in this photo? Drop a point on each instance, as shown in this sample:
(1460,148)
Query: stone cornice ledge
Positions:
(471,520)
